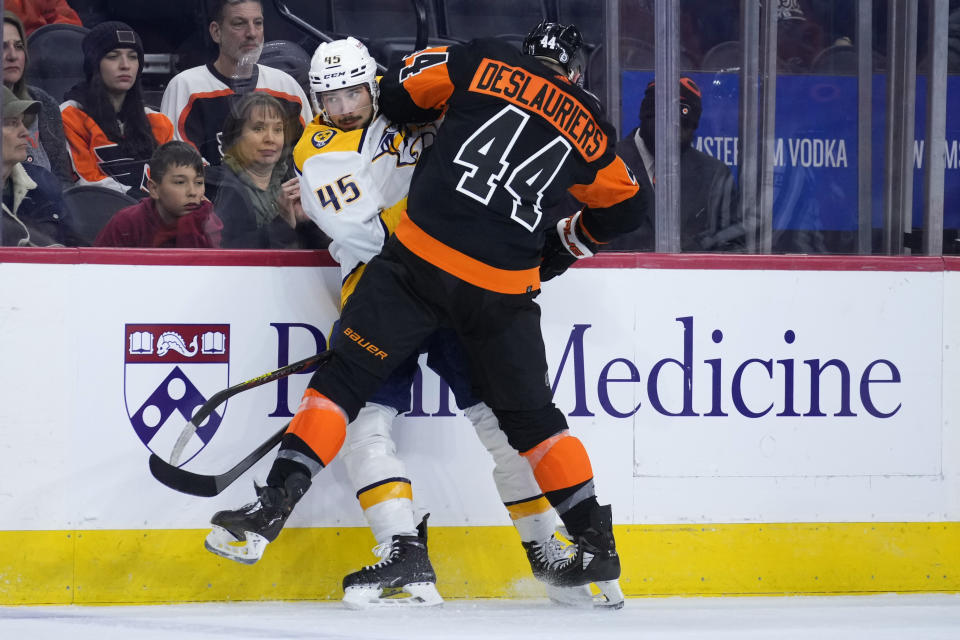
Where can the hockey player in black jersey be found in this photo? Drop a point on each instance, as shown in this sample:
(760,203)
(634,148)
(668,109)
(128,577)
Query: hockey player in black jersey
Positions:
(469,254)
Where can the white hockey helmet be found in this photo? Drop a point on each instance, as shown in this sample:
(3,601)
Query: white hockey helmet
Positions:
(340,64)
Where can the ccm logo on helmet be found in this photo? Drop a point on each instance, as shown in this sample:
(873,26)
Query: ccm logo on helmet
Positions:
(327,76)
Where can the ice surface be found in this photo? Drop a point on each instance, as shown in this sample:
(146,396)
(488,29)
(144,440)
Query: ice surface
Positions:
(880,617)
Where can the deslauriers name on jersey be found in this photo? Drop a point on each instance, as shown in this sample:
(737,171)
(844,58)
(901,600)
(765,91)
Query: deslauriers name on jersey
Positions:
(536,94)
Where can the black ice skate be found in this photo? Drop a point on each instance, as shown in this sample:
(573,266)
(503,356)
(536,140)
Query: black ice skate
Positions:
(403,577)
(596,561)
(242,534)
(548,556)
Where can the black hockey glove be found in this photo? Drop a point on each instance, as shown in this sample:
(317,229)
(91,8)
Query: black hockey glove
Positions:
(564,244)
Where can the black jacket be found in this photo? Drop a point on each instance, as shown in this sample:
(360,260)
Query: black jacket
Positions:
(709,216)
(36,217)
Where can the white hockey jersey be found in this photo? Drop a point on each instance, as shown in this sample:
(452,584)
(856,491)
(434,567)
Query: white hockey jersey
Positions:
(198,100)
(354,185)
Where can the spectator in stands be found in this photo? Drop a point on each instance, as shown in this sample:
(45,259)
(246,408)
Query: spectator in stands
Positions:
(709,215)
(48,149)
(176,214)
(33,211)
(198,100)
(111,134)
(256,190)
(38,13)
(799,37)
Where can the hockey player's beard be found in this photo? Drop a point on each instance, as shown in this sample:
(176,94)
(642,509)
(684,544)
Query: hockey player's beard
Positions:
(355,119)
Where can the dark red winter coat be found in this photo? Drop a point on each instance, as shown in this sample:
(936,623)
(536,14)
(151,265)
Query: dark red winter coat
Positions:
(140,225)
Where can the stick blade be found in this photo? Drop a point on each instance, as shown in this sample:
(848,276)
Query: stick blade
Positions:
(181,480)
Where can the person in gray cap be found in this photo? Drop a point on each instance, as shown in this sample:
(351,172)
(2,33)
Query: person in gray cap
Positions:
(33,212)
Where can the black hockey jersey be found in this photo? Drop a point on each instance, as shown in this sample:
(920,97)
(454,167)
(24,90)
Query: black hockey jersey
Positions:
(516,135)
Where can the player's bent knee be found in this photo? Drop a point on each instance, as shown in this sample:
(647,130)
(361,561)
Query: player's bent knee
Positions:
(526,429)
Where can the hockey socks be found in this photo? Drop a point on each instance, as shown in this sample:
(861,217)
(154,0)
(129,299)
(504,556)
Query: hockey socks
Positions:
(315,434)
(562,469)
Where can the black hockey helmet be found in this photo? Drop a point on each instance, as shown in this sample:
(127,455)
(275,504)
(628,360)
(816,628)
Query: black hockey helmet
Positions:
(558,43)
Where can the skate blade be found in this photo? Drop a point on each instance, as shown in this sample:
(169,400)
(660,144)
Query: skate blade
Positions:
(222,543)
(610,596)
(580,596)
(415,594)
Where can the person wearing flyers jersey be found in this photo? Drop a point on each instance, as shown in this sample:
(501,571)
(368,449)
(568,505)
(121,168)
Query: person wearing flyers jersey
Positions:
(469,253)
(359,164)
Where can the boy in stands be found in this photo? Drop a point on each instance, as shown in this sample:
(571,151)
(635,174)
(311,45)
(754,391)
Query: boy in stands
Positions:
(176,214)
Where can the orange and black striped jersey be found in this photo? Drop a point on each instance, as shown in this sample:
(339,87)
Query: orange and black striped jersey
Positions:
(515,137)
(99,160)
(198,100)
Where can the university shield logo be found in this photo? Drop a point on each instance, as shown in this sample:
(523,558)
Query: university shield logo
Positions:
(170,370)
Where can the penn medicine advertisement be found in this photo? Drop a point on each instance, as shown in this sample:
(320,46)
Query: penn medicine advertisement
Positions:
(702,395)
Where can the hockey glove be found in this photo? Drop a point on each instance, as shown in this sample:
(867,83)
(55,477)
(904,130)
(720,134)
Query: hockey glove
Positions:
(565,243)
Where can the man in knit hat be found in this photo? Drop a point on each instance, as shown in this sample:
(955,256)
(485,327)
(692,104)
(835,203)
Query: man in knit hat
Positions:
(709,218)
(198,100)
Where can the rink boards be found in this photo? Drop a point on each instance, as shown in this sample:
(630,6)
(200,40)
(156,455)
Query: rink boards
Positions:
(760,425)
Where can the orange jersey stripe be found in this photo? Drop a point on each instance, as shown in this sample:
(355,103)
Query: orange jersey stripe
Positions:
(538,95)
(463,266)
(559,462)
(189,107)
(431,87)
(321,424)
(613,184)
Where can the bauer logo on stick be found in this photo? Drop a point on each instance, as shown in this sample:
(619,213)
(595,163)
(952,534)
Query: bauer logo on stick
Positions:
(170,370)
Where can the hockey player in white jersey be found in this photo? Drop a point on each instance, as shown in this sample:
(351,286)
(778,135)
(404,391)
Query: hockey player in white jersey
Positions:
(355,171)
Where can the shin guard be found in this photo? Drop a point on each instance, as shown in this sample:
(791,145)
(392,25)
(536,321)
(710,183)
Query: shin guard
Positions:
(530,511)
(378,475)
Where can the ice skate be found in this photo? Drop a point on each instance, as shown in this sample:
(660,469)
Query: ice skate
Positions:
(596,561)
(552,554)
(404,576)
(242,534)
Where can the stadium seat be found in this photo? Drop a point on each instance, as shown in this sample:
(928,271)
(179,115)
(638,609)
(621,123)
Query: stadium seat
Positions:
(725,56)
(587,15)
(287,56)
(387,27)
(839,59)
(468,19)
(92,207)
(56,60)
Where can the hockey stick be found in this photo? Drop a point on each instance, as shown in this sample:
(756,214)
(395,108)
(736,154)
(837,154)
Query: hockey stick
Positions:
(207,486)
(222,396)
